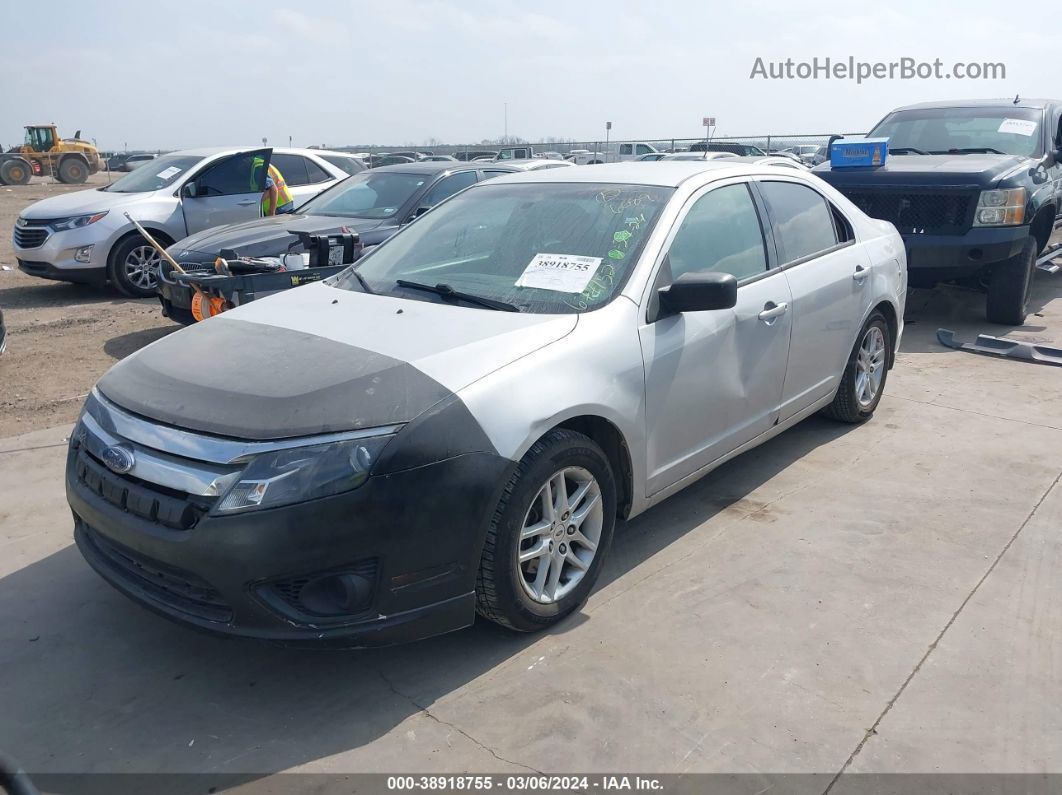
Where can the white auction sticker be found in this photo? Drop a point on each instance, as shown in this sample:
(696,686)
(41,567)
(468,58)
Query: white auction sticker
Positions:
(1017,127)
(562,273)
(166,173)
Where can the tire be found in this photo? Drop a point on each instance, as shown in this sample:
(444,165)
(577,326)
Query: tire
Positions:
(857,397)
(1009,287)
(133,267)
(72,171)
(15,171)
(505,588)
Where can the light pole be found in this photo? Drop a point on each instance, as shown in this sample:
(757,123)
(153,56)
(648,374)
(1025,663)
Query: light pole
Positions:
(505,138)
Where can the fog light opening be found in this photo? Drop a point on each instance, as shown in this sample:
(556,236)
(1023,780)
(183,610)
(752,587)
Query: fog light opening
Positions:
(336,594)
(975,254)
(83,254)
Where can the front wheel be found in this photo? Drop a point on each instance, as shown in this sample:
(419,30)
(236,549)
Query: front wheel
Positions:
(1009,287)
(550,534)
(863,382)
(134,268)
(15,171)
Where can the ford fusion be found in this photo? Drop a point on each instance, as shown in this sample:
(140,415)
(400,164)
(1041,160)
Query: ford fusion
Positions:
(454,425)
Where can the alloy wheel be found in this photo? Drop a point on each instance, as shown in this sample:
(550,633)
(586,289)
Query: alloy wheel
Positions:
(560,535)
(142,267)
(870,367)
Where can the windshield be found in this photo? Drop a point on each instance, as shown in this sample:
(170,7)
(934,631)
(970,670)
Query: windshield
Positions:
(155,174)
(1009,130)
(372,194)
(545,248)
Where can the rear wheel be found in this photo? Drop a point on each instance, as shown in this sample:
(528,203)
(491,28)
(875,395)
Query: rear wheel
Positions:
(549,535)
(863,382)
(72,170)
(15,171)
(1009,287)
(134,267)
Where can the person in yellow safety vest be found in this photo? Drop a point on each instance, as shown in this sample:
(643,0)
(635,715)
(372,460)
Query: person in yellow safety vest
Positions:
(276,198)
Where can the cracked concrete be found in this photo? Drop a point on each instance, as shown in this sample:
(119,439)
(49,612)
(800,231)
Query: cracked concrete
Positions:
(841,600)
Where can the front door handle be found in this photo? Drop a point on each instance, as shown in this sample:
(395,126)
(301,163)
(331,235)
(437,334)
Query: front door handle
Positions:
(860,273)
(247,203)
(772,311)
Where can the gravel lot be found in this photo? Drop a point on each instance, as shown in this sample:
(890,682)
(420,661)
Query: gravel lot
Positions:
(61,337)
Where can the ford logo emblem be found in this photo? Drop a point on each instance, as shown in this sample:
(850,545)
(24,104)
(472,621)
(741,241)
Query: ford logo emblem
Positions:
(118,459)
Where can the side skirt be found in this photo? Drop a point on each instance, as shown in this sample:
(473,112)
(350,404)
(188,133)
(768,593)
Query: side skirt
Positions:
(678,486)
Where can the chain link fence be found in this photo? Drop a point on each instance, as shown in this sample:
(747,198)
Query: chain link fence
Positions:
(805,145)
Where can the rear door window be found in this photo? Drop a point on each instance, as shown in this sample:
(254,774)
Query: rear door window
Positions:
(315,174)
(802,220)
(292,168)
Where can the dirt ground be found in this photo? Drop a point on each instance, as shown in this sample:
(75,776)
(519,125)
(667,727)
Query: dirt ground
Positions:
(61,337)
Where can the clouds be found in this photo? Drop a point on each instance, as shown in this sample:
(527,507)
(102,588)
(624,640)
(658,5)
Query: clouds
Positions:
(364,71)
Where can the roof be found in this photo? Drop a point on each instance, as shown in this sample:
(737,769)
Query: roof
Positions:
(210,151)
(1002,102)
(430,167)
(669,174)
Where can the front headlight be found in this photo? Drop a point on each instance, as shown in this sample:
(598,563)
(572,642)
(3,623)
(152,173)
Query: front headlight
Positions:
(1001,207)
(298,474)
(77,221)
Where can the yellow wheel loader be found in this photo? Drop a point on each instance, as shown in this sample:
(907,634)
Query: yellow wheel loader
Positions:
(44,153)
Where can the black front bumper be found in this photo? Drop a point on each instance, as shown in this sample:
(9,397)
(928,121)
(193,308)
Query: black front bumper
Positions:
(415,535)
(45,270)
(942,257)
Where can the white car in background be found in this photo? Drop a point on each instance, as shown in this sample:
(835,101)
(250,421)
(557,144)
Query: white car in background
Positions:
(85,237)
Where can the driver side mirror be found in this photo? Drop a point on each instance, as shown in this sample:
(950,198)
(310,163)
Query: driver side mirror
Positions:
(189,191)
(699,292)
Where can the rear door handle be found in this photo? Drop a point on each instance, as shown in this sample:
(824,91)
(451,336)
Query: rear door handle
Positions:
(247,203)
(860,273)
(772,311)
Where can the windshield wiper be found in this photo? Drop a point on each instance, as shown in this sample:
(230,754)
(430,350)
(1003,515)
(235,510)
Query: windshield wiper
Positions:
(971,150)
(902,150)
(446,291)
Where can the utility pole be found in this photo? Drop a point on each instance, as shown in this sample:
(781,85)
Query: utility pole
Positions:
(608,129)
(505,138)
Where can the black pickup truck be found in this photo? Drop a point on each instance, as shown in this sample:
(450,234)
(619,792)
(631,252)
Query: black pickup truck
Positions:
(975,189)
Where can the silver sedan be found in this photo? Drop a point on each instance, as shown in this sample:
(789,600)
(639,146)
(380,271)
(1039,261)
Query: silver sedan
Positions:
(455,424)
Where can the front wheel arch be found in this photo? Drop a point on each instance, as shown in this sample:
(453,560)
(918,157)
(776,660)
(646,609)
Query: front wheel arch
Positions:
(161,237)
(1042,227)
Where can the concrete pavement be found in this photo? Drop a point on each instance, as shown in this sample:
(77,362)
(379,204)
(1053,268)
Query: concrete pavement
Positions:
(882,598)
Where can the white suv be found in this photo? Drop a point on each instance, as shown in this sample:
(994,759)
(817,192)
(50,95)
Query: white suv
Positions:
(85,237)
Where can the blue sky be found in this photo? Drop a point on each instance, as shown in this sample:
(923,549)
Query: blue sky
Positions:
(398,72)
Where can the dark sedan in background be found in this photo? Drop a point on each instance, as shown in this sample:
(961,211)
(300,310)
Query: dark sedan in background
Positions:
(375,204)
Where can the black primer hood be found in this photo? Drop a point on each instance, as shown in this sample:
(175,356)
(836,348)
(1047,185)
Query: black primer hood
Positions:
(253,381)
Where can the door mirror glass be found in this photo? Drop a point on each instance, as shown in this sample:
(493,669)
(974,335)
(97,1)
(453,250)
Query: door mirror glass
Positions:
(700,292)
